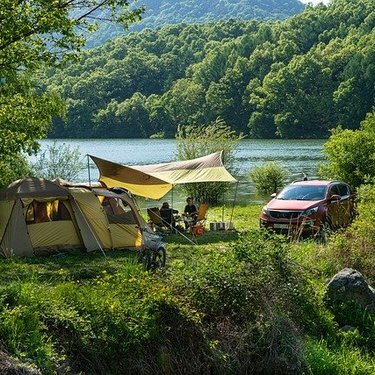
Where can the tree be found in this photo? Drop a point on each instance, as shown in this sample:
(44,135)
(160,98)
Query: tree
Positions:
(351,154)
(35,34)
(196,141)
(59,161)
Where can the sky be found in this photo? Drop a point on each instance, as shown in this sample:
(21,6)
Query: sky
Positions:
(314,2)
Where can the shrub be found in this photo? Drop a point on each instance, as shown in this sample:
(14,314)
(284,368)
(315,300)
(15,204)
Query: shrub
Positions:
(351,154)
(59,161)
(268,178)
(254,299)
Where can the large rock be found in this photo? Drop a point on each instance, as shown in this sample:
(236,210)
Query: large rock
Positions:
(349,284)
(10,366)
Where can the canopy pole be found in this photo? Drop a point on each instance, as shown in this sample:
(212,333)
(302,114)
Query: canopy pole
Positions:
(88,168)
(234,202)
(223,208)
(172,205)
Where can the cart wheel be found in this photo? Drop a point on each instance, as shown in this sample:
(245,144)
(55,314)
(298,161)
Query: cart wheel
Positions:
(158,258)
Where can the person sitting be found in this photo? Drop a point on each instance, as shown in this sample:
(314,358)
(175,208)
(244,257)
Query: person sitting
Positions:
(166,213)
(190,213)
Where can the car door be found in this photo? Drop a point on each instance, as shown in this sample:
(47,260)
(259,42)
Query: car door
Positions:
(334,214)
(346,204)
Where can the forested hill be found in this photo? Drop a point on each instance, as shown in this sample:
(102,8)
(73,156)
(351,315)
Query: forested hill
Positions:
(162,12)
(292,79)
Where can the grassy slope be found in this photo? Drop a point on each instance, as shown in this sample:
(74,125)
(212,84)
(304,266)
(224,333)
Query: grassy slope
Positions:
(75,312)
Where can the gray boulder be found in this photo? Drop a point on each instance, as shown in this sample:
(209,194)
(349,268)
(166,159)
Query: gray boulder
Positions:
(349,284)
(10,366)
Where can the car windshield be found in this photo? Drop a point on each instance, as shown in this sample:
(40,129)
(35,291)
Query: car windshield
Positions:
(303,192)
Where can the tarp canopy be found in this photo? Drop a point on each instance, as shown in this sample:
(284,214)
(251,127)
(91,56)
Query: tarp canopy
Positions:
(155,180)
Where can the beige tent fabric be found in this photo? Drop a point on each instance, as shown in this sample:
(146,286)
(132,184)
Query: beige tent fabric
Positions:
(155,180)
(16,240)
(125,235)
(32,188)
(94,213)
(53,233)
(5,211)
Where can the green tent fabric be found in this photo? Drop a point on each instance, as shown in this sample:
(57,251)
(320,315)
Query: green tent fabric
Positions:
(155,180)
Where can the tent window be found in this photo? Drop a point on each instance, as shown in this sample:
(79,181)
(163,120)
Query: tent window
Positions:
(118,211)
(42,212)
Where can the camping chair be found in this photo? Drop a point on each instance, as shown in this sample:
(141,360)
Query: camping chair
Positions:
(157,220)
(197,227)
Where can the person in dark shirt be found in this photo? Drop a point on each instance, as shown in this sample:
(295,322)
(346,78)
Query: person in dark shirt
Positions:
(167,214)
(190,212)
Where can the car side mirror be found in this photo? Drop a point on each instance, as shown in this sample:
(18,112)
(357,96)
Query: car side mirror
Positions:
(273,195)
(335,198)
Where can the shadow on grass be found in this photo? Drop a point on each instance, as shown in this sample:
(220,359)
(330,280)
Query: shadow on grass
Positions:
(66,266)
(205,239)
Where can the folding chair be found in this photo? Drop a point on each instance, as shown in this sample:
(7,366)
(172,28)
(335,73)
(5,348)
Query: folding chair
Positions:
(197,228)
(159,219)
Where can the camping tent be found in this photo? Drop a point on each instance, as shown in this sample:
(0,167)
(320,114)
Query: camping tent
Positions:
(39,216)
(155,180)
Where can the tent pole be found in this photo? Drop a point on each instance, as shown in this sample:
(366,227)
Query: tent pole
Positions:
(223,208)
(234,202)
(88,168)
(172,205)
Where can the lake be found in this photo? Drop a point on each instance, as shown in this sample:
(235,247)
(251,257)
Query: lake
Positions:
(298,156)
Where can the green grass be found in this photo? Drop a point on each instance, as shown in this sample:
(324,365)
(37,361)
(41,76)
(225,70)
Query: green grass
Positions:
(235,300)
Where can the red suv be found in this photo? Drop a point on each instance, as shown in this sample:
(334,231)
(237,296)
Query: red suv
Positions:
(309,206)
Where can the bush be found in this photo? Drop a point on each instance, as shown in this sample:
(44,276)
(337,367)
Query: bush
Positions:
(351,153)
(255,303)
(59,161)
(268,178)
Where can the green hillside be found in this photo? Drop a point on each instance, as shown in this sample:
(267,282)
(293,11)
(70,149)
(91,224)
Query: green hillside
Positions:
(158,13)
(291,79)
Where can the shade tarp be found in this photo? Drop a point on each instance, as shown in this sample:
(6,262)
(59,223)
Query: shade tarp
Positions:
(155,180)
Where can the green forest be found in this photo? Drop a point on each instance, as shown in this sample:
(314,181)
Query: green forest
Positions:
(297,78)
(161,12)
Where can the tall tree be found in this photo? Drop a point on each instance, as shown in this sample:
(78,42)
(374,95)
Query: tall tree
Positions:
(35,34)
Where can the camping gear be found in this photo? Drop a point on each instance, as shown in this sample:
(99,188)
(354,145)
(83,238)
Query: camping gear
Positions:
(197,230)
(155,180)
(38,216)
(221,225)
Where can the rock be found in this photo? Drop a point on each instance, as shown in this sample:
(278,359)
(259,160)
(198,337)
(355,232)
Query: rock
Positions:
(347,328)
(10,366)
(349,284)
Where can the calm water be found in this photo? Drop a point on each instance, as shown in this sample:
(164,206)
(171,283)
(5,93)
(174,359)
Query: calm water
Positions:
(298,156)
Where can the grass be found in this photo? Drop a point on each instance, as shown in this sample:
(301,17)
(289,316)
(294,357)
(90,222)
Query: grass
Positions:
(236,301)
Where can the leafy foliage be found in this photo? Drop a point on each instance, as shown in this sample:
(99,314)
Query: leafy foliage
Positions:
(59,161)
(34,35)
(162,12)
(351,154)
(296,78)
(268,178)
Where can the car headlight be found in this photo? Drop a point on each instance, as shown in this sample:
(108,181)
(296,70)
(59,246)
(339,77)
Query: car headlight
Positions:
(265,210)
(310,211)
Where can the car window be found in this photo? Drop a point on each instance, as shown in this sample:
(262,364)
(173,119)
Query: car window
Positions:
(303,192)
(334,190)
(344,190)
